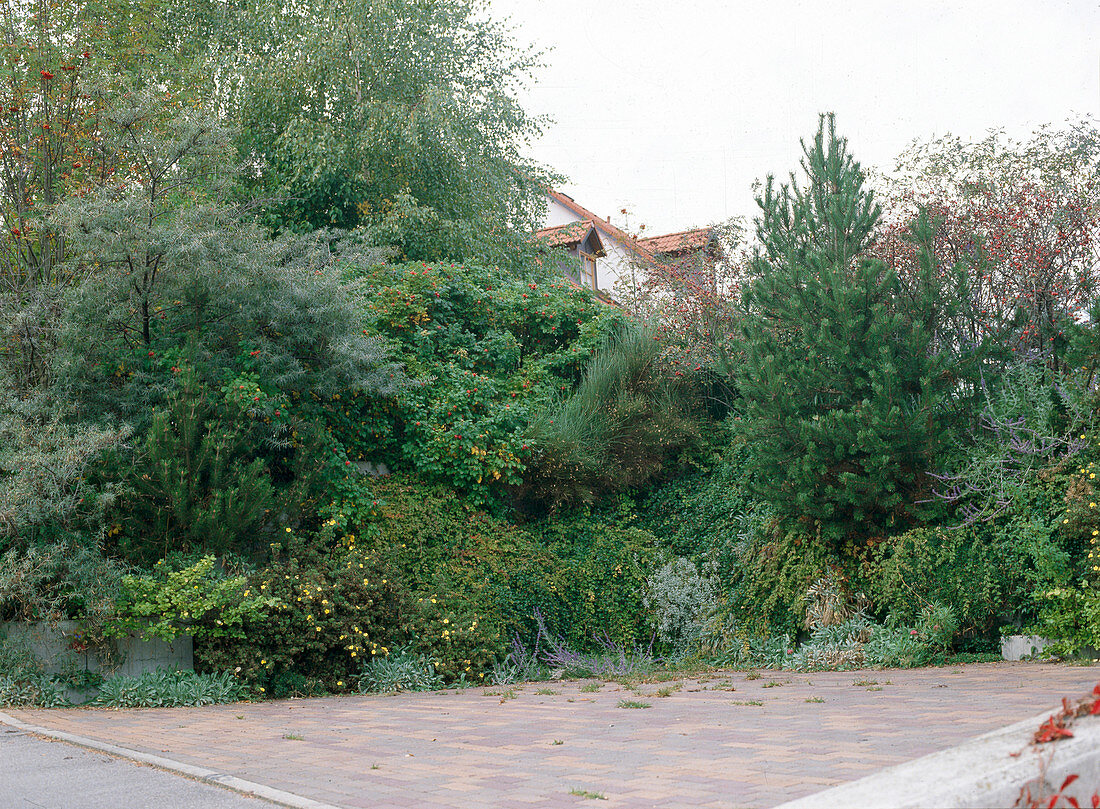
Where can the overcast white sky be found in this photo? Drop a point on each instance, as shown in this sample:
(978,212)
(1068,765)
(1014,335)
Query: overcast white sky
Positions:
(671,110)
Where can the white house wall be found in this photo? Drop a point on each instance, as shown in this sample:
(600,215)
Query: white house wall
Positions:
(557,214)
(616,264)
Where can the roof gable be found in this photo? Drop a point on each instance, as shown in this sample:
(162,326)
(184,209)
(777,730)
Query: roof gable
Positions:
(602,225)
(574,233)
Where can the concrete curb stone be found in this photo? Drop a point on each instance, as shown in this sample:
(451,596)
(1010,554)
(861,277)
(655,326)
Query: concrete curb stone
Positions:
(992,770)
(230,782)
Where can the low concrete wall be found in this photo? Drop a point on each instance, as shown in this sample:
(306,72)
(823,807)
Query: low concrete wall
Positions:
(990,771)
(52,644)
(1017,647)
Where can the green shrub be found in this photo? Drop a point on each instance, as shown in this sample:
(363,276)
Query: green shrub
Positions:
(170,689)
(24,681)
(1070,616)
(682,602)
(486,350)
(66,578)
(198,599)
(709,515)
(324,608)
(584,576)
(457,627)
(776,570)
(597,591)
(400,670)
(960,568)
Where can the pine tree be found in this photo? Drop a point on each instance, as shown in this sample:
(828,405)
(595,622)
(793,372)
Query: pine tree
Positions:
(845,392)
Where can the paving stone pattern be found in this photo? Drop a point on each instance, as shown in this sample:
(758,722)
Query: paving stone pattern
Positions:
(705,745)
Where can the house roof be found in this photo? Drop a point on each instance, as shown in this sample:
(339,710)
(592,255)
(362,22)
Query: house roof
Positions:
(683,242)
(601,225)
(573,233)
(565,234)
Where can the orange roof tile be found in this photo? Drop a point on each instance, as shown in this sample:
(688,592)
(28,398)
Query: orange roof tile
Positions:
(565,234)
(601,224)
(682,242)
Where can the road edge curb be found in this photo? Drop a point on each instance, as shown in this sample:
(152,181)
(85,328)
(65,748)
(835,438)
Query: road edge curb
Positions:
(208,776)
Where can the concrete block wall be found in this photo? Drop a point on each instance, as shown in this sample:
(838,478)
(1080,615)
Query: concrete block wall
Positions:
(52,643)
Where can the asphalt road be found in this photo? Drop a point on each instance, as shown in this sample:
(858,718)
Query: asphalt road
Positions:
(40,774)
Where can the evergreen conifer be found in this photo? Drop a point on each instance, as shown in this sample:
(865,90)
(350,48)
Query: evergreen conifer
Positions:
(846,393)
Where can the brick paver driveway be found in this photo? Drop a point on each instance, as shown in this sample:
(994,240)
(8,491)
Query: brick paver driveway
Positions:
(718,741)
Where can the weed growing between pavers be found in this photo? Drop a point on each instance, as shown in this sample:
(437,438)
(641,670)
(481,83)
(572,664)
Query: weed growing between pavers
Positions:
(584,793)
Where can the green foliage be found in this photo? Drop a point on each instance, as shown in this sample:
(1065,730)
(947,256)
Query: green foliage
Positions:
(457,627)
(843,390)
(485,351)
(170,689)
(961,569)
(46,486)
(24,681)
(681,601)
(325,609)
(598,593)
(628,422)
(67,578)
(400,670)
(416,134)
(231,304)
(776,569)
(854,643)
(198,599)
(710,514)
(1031,420)
(481,579)
(196,484)
(1070,616)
